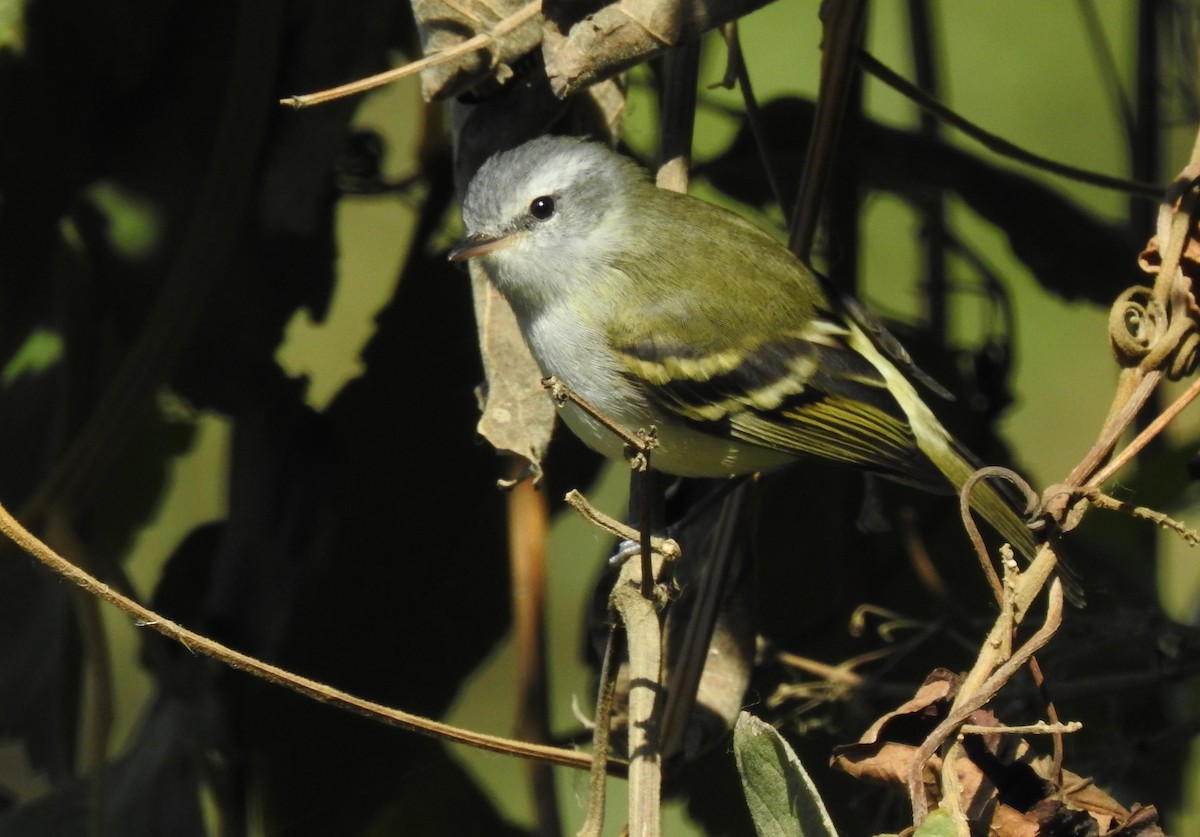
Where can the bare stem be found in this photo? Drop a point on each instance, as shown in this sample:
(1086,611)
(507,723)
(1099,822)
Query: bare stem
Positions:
(593,825)
(996,143)
(642,619)
(200,644)
(362,85)
(1040,728)
(968,520)
(1142,439)
(641,442)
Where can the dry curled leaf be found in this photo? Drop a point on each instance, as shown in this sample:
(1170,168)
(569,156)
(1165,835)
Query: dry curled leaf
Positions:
(939,687)
(582,50)
(444,24)
(582,45)
(1003,783)
(1150,259)
(518,414)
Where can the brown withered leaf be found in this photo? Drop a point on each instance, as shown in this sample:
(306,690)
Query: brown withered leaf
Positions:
(583,44)
(885,751)
(1004,784)
(1141,822)
(444,24)
(886,764)
(518,413)
(1150,259)
(939,687)
(1087,797)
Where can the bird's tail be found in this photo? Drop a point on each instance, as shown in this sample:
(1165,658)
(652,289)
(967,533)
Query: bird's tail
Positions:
(948,455)
(997,507)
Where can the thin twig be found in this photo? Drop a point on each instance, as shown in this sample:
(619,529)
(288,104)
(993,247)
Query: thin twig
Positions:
(842,674)
(1133,390)
(1142,439)
(1101,500)
(1108,64)
(738,69)
(1039,682)
(641,442)
(995,143)
(666,547)
(362,85)
(198,643)
(1040,728)
(593,825)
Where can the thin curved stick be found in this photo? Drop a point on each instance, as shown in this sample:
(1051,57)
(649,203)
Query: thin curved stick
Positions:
(968,519)
(1142,439)
(362,85)
(997,144)
(197,643)
(988,690)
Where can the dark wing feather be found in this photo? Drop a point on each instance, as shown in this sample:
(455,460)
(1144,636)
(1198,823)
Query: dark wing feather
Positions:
(796,395)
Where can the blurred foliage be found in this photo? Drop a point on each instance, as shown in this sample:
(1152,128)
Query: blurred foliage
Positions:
(198,405)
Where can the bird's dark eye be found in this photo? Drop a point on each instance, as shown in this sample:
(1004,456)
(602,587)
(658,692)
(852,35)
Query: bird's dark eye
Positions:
(542,208)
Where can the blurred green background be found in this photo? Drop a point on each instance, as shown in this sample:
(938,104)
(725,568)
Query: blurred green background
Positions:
(302,480)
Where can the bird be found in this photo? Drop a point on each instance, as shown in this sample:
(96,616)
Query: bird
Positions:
(661,309)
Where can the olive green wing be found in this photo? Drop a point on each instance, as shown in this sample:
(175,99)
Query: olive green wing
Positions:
(778,372)
(805,393)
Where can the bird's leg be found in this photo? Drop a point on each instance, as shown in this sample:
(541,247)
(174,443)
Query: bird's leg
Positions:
(646,512)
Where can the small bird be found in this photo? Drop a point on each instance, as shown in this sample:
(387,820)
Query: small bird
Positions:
(661,309)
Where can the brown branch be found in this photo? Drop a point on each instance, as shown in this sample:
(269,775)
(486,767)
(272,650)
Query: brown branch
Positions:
(642,618)
(666,547)
(527,531)
(1133,390)
(1101,500)
(200,644)
(1166,352)
(1039,728)
(593,825)
(641,442)
(362,85)
(1142,439)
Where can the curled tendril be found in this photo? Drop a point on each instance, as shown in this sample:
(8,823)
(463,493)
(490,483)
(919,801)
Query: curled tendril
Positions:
(1136,325)
(1183,360)
(1136,322)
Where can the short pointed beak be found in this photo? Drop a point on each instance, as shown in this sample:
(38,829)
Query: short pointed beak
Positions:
(478,244)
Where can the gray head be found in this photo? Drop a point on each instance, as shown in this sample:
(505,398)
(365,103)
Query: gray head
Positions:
(542,213)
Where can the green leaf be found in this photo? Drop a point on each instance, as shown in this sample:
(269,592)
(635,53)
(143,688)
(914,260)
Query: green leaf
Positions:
(939,823)
(782,799)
